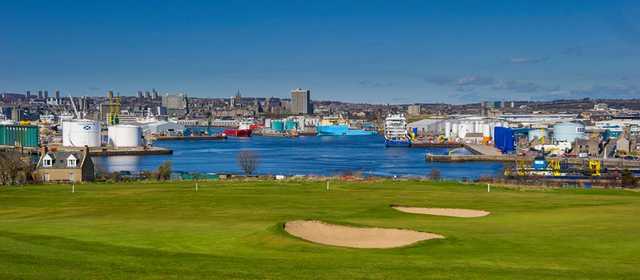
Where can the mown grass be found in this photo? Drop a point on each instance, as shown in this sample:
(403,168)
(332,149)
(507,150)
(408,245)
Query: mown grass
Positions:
(234,230)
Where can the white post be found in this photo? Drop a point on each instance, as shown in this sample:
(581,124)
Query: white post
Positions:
(488,187)
(327,185)
(196,186)
(73,188)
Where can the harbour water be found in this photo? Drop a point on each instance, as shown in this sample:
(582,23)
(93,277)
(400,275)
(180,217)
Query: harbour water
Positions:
(312,155)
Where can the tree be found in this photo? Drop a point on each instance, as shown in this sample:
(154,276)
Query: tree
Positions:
(248,161)
(15,169)
(164,171)
(435,174)
(628,180)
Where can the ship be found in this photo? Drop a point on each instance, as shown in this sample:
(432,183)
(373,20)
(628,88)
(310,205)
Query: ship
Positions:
(245,127)
(337,126)
(395,131)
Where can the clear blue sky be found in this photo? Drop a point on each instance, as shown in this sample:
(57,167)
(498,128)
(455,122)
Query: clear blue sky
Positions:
(368,51)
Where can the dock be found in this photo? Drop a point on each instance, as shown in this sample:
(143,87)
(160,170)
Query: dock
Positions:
(96,151)
(486,150)
(192,137)
(419,144)
(120,151)
(614,163)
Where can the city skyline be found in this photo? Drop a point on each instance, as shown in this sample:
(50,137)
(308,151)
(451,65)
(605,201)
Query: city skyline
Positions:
(375,52)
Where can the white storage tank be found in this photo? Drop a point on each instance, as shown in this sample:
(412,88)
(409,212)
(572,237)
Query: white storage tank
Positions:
(124,135)
(447,130)
(80,133)
(568,132)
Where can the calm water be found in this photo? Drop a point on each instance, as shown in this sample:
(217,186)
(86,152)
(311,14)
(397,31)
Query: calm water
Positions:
(326,155)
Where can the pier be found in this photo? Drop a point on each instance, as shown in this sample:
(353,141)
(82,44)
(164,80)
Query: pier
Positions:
(192,137)
(96,151)
(485,150)
(419,144)
(614,163)
(120,151)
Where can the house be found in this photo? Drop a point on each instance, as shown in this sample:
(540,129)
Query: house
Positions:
(65,166)
(623,146)
(586,147)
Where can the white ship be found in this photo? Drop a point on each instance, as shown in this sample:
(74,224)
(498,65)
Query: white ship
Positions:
(395,131)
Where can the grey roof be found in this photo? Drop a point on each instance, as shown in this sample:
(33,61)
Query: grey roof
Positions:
(60,159)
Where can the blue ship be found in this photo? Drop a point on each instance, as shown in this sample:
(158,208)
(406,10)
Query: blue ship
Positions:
(341,129)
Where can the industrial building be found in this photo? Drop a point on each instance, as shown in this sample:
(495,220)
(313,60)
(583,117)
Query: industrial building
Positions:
(19,135)
(162,128)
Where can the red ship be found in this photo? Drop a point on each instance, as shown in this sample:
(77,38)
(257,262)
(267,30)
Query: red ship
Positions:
(244,130)
(237,132)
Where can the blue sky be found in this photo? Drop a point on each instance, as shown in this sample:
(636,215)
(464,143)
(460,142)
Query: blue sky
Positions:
(362,51)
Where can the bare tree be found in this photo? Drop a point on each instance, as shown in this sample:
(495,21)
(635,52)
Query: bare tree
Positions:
(248,161)
(435,174)
(15,169)
(164,171)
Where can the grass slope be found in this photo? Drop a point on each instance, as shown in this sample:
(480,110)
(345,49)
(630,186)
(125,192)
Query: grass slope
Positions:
(234,230)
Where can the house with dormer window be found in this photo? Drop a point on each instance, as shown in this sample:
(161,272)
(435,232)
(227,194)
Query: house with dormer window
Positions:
(65,166)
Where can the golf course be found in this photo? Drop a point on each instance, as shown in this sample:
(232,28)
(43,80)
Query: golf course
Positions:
(236,230)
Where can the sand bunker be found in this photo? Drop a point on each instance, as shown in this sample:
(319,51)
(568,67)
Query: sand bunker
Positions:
(345,236)
(449,212)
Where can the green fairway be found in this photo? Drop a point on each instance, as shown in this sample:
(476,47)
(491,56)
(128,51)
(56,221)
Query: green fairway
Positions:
(234,230)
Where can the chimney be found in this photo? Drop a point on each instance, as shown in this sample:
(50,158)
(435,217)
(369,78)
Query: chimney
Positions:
(85,151)
(44,149)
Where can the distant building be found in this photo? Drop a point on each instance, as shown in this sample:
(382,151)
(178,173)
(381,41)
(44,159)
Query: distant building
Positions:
(301,102)
(17,114)
(623,146)
(176,105)
(65,166)
(414,110)
(601,107)
(175,102)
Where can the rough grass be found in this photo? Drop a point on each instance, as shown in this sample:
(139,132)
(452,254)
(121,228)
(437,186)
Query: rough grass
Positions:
(234,230)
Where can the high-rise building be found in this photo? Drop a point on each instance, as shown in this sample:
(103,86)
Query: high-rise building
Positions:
(301,102)
(46,94)
(57,94)
(155,94)
(140,95)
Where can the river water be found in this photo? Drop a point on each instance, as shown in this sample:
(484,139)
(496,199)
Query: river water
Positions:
(307,155)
